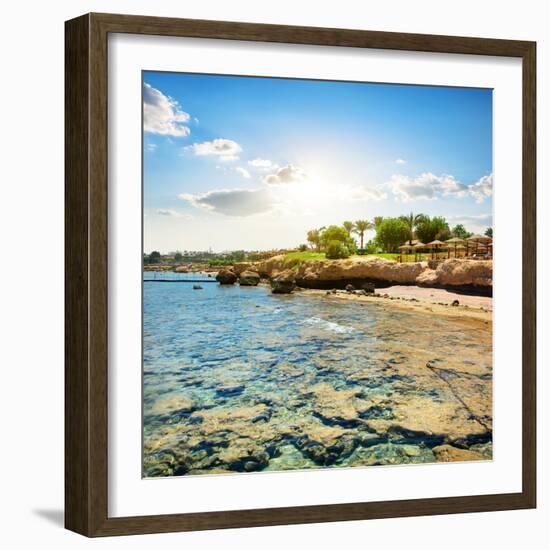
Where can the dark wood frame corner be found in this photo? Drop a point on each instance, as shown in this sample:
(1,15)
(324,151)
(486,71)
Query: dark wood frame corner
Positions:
(86,426)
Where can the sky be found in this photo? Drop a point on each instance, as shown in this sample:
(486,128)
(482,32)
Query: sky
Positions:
(249,163)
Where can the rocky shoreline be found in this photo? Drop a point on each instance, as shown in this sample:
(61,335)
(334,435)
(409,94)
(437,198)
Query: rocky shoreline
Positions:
(454,282)
(472,276)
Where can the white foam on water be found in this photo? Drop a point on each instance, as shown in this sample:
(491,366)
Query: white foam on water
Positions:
(328,325)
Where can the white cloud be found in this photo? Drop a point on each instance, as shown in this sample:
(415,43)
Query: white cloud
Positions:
(366,193)
(232,202)
(262,164)
(171,213)
(243,172)
(151,147)
(428,186)
(162,114)
(286,174)
(224,149)
(479,219)
(482,189)
(400,161)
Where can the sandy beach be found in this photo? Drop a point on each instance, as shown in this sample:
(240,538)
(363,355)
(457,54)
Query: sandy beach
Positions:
(413,298)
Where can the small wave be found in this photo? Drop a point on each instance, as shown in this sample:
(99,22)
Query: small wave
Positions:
(328,325)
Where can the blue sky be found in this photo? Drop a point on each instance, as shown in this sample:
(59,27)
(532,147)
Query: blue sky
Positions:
(253,163)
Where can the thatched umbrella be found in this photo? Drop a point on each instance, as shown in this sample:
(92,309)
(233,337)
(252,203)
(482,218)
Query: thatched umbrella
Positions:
(404,248)
(455,241)
(435,245)
(459,247)
(417,247)
(477,239)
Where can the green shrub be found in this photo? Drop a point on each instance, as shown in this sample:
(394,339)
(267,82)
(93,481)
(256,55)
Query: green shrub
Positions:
(337,249)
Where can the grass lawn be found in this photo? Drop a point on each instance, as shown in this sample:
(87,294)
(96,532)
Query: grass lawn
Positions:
(296,258)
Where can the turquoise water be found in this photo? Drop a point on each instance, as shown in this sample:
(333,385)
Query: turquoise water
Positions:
(239,379)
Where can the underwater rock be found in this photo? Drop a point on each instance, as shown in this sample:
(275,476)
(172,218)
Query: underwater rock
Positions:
(229,391)
(389,454)
(423,418)
(333,406)
(448,453)
(243,454)
(242,421)
(288,457)
(170,405)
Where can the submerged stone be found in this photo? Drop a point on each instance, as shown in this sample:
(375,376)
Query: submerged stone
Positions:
(448,453)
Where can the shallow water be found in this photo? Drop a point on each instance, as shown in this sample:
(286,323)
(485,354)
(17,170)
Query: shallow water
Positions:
(239,379)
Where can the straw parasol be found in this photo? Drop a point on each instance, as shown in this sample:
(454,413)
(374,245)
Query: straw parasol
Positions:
(417,247)
(404,248)
(455,241)
(479,239)
(435,245)
(459,247)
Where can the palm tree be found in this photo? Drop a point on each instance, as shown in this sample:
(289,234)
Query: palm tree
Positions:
(411,221)
(348,226)
(360,227)
(314,238)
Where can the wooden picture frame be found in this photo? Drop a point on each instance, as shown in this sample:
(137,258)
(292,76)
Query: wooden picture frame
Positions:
(86,283)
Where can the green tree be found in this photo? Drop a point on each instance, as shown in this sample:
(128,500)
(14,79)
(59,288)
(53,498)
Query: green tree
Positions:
(489,232)
(429,229)
(336,250)
(154,257)
(178,257)
(360,227)
(348,226)
(372,247)
(377,221)
(314,239)
(460,232)
(411,221)
(238,255)
(337,233)
(391,233)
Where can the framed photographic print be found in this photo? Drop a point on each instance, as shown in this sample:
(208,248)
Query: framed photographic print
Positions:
(300,275)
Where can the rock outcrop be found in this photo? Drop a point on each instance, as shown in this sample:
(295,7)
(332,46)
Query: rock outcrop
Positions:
(272,266)
(241,267)
(226,277)
(321,273)
(284,282)
(460,272)
(364,272)
(249,278)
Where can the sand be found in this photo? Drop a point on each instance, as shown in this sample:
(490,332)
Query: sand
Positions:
(426,300)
